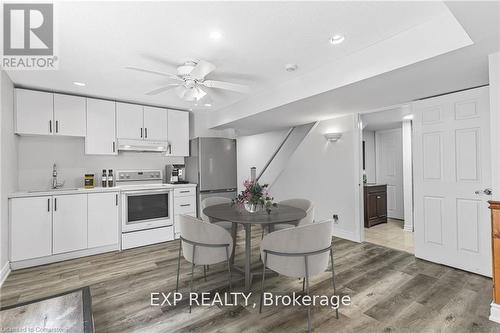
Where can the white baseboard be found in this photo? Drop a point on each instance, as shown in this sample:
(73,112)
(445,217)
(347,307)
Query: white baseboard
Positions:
(4,272)
(349,235)
(495,312)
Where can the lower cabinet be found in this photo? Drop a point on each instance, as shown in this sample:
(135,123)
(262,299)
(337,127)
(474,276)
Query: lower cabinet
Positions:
(69,223)
(184,203)
(375,202)
(30,228)
(102,219)
(45,226)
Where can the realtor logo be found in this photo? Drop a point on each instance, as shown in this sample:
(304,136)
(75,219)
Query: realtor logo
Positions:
(28,36)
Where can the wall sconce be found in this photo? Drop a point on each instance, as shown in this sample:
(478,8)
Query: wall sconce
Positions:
(333,137)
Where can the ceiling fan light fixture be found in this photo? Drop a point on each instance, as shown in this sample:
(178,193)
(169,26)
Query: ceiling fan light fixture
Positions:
(215,35)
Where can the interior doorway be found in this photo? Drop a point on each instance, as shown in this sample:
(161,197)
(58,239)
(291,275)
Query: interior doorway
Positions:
(387,190)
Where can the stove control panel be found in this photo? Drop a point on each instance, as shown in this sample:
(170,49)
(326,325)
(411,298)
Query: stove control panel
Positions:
(139,175)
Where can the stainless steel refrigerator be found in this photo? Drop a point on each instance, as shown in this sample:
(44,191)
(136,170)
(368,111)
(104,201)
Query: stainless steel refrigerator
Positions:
(212,165)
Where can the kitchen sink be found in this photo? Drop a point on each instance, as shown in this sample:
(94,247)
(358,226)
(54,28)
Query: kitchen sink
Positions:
(54,189)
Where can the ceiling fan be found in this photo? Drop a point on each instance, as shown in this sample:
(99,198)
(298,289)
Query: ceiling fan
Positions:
(190,79)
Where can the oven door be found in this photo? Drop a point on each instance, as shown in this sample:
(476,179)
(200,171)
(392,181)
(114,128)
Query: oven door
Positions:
(146,209)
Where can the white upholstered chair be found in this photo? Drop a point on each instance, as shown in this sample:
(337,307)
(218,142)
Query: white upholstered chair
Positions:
(300,252)
(203,244)
(303,204)
(212,201)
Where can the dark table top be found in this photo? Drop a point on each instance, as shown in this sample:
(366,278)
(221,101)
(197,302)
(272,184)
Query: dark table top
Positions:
(234,213)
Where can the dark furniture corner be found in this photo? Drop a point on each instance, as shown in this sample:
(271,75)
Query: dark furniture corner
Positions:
(375,202)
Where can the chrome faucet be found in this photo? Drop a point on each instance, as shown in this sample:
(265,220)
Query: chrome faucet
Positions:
(55,184)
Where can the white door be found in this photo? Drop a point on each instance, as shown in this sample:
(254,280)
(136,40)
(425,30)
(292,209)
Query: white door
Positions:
(102,219)
(178,133)
(30,227)
(101,134)
(389,155)
(34,112)
(451,162)
(129,121)
(69,231)
(155,124)
(69,115)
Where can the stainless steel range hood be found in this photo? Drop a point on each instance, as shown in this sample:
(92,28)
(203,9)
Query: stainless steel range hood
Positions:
(143,146)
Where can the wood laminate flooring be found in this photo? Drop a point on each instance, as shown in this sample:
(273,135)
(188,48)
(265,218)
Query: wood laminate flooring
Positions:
(391,291)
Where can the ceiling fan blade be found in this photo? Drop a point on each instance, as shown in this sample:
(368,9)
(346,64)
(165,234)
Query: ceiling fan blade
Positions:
(226,86)
(172,76)
(180,91)
(202,69)
(162,89)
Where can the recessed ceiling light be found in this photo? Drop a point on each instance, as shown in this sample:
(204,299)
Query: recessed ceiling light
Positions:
(291,67)
(208,104)
(408,117)
(215,35)
(80,84)
(336,39)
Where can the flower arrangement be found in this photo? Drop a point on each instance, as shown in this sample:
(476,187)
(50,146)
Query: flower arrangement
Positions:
(254,197)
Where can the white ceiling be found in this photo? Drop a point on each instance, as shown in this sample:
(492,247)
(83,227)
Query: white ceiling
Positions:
(463,68)
(384,120)
(95,40)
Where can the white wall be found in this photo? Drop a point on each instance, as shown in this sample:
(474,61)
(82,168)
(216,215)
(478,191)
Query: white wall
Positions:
(494,77)
(198,123)
(37,154)
(325,173)
(370,164)
(8,164)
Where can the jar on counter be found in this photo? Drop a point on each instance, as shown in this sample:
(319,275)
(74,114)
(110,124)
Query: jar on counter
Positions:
(89,181)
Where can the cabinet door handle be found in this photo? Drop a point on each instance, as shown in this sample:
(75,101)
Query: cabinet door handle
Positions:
(141,132)
(57,126)
(113,146)
(185,205)
(146,132)
(116,199)
(48,204)
(184,191)
(55,204)
(50,126)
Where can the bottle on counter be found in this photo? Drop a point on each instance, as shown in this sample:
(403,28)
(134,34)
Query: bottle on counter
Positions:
(110,178)
(89,180)
(104,178)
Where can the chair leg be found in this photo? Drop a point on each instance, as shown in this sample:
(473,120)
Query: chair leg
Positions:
(333,282)
(229,270)
(262,236)
(205,272)
(262,283)
(303,284)
(307,291)
(178,266)
(192,274)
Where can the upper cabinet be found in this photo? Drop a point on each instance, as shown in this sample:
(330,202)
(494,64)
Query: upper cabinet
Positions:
(43,113)
(139,122)
(155,124)
(101,134)
(129,121)
(34,112)
(69,115)
(178,133)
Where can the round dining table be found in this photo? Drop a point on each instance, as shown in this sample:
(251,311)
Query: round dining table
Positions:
(238,215)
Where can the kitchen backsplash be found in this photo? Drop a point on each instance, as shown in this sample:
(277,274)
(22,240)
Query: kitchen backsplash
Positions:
(36,156)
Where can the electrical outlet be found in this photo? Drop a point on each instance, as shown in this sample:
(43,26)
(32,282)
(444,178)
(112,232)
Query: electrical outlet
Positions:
(335,218)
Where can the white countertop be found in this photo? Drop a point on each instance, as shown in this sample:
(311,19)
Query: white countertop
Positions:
(81,190)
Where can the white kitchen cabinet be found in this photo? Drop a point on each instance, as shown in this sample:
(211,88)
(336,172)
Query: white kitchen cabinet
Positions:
(178,133)
(69,115)
(184,204)
(101,133)
(155,124)
(102,219)
(30,227)
(129,121)
(69,223)
(34,112)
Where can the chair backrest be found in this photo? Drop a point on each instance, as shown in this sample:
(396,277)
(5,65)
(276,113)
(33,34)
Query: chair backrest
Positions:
(212,201)
(196,230)
(302,239)
(303,204)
